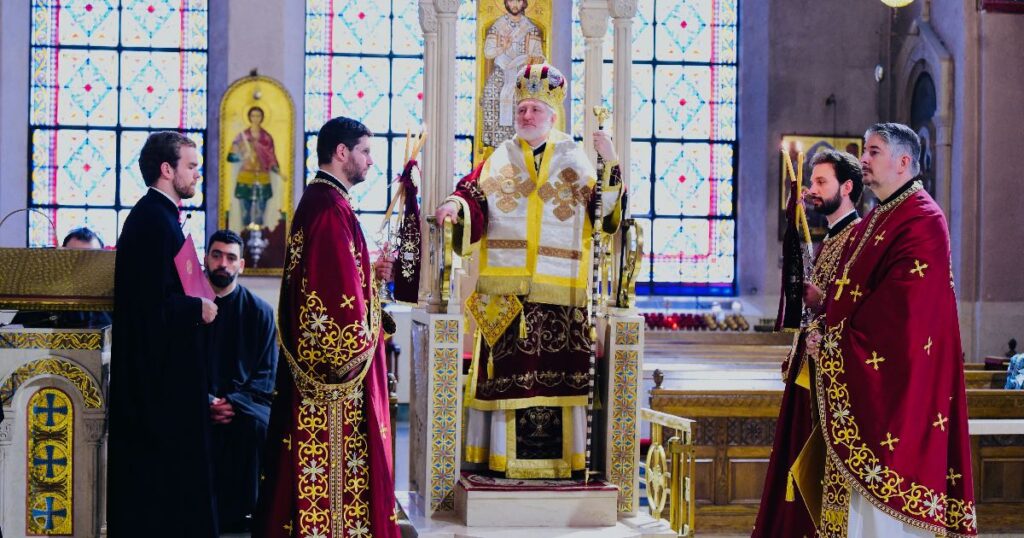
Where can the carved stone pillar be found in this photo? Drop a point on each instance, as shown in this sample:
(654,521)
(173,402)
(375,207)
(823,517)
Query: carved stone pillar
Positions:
(622,12)
(428,22)
(438,19)
(594,24)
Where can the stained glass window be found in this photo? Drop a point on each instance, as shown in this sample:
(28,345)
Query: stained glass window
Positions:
(683,149)
(364,60)
(104,75)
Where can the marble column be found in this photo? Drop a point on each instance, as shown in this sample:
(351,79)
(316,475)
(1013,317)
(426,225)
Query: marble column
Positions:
(594,24)
(622,12)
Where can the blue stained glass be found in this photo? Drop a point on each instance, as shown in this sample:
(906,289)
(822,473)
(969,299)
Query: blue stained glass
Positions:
(407,35)
(163,89)
(318,91)
(685,185)
(73,167)
(361,27)
(463,158)
(84,90)
(465,97)
(643,31)
(73,87)
(407,88)
(361,90)
(465,31)
(179,24)
(640,178)
(693,251)
(74,22)
(318,26)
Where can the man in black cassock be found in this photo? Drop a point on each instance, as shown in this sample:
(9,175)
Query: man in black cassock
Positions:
(242,349)
(159,471)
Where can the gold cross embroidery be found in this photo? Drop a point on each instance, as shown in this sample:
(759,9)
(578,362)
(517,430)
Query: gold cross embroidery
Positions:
(347,300)
(287,441)
(919,268)
(874,360)
(953,476)
(508,188)
(941,422)
(856,293)
(880,237)
(841,282)
(288,527)
(928,346)
(890,441)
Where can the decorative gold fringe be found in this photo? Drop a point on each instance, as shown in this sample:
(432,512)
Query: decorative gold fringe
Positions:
(790,494)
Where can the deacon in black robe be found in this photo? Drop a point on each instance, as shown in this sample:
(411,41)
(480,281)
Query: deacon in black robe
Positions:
(159,473)
(242,349)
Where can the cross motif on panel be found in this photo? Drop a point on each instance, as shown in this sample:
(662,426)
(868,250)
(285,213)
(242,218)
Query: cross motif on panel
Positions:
(841,282)
(890,442)
(48,514)
(856,293)
(952,476)
(919,268)
(941,422)
(928,346)
(49,461)
(49,410)
(880,237)
(874,360)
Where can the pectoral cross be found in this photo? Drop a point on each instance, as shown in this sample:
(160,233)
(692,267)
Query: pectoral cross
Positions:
(919,268)
(941,422)
(874,360)
(890,441)
(841,282)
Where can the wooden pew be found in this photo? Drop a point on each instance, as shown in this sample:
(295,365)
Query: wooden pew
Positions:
(733,389)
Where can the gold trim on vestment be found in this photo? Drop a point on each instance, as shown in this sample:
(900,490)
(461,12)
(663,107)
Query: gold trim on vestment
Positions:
(882,484)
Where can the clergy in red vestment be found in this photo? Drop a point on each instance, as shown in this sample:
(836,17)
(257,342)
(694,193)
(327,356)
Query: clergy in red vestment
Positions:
(329,464)
(836,187)
(889,369)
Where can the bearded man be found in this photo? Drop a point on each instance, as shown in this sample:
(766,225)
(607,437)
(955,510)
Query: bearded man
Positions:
(888,372)
(530,209)
(836,187)
(242,349)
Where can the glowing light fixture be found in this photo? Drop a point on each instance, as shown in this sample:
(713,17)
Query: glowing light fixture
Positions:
(897,3)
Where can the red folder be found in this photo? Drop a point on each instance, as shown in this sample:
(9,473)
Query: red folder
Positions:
(193,278)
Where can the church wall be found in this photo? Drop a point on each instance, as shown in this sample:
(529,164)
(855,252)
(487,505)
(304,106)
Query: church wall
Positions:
(14,21)
(267,35)
(793,55)
(1001,226)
